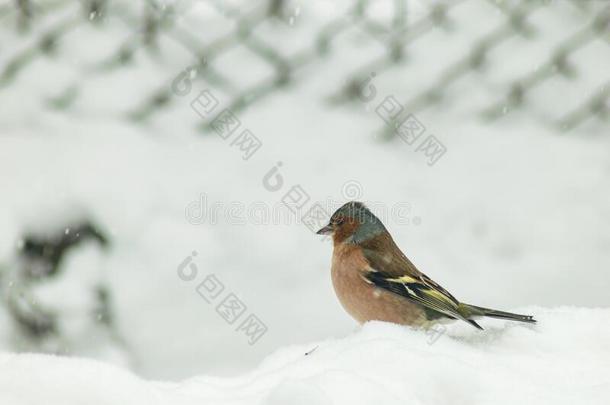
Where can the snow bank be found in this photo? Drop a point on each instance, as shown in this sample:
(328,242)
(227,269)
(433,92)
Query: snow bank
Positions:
(508,216)
(563,359)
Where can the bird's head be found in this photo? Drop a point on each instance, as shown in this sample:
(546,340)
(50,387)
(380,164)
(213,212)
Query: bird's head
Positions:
(353,223)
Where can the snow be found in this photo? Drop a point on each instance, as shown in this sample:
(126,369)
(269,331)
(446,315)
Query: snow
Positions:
(509,217)
(381,363)
(513,215)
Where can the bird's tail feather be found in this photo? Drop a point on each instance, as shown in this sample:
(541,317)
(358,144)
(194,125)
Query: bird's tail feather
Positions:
(492,313)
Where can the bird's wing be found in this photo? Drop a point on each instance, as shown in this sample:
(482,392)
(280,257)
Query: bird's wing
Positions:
(400,276)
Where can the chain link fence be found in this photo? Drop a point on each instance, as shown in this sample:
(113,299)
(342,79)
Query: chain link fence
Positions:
(200,35)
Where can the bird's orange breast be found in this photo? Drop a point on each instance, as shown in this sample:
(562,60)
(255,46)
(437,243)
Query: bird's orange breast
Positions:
(362,300)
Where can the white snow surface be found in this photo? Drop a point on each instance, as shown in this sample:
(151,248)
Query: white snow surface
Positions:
(564,359)
(513,215)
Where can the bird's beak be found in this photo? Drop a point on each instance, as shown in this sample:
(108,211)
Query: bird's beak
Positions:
(327,230)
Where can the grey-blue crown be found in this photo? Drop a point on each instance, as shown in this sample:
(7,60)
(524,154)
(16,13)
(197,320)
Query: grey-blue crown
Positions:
(370,225)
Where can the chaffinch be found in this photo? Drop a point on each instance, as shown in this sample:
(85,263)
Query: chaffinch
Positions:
(374,280)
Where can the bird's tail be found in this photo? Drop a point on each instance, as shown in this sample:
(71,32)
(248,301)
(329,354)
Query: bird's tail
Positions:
(472,310)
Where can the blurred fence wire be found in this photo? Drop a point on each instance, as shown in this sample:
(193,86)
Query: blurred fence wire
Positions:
(207,30)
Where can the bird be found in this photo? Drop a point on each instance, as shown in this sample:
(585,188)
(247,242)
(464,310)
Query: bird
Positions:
(374,280)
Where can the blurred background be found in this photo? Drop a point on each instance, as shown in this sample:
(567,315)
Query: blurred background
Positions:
(163,165)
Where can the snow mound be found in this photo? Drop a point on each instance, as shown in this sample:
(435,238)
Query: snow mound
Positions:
(565,358)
